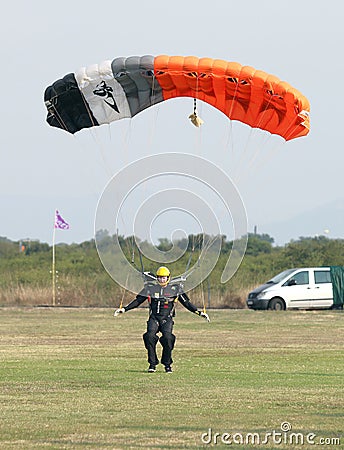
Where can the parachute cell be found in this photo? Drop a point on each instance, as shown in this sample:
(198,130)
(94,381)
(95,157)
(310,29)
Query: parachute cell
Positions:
(124,87)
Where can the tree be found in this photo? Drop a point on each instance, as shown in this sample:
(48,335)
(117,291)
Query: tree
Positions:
(257,244)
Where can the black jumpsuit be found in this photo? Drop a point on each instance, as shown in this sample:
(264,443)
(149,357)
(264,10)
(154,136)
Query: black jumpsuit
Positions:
(162,303)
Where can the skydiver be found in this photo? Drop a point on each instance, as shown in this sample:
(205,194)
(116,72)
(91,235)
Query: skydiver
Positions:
(162,298)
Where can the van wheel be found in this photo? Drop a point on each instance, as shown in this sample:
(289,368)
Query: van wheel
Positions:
(277,304)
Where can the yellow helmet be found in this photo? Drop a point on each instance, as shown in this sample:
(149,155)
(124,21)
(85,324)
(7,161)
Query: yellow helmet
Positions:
(163,272)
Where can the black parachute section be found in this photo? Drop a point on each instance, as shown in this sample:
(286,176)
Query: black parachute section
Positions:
(67,108)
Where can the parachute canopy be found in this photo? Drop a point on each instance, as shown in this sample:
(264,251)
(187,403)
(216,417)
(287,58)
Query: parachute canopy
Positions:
(121,88)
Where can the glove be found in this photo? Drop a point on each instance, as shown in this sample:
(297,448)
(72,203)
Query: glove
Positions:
(205,315)
(119,311)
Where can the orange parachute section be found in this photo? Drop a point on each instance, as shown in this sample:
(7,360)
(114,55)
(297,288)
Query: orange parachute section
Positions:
(125,86)
(241,92)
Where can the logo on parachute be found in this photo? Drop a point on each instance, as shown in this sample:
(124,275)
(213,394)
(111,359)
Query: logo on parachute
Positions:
(103,90)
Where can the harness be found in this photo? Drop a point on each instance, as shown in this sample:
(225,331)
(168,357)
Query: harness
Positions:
(162,298)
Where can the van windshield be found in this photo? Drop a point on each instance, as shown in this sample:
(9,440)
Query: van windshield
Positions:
(280,276)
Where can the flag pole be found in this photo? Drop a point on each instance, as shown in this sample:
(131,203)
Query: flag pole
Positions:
(53,272)
(61,224)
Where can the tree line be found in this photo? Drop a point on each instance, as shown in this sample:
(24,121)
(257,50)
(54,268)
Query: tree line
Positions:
(25,268)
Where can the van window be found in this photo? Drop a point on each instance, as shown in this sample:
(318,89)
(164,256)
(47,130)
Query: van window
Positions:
(299,278)
(322,276)
(276,279)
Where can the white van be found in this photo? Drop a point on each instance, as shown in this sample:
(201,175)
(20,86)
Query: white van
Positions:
(306,288)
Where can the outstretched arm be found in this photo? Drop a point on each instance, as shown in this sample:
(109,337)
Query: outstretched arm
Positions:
(185,301)
(133,304)
(136,302)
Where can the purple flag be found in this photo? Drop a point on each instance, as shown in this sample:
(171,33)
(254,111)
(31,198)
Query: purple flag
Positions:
(60,222)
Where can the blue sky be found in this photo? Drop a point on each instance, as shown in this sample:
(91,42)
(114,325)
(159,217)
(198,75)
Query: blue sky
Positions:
(43,168)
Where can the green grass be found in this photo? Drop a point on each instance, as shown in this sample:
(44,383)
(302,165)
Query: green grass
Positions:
(76,378)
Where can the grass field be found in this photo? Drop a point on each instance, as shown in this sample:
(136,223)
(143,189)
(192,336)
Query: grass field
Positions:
(76,378)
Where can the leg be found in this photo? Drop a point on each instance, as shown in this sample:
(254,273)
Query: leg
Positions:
(150,339)
(167,341)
